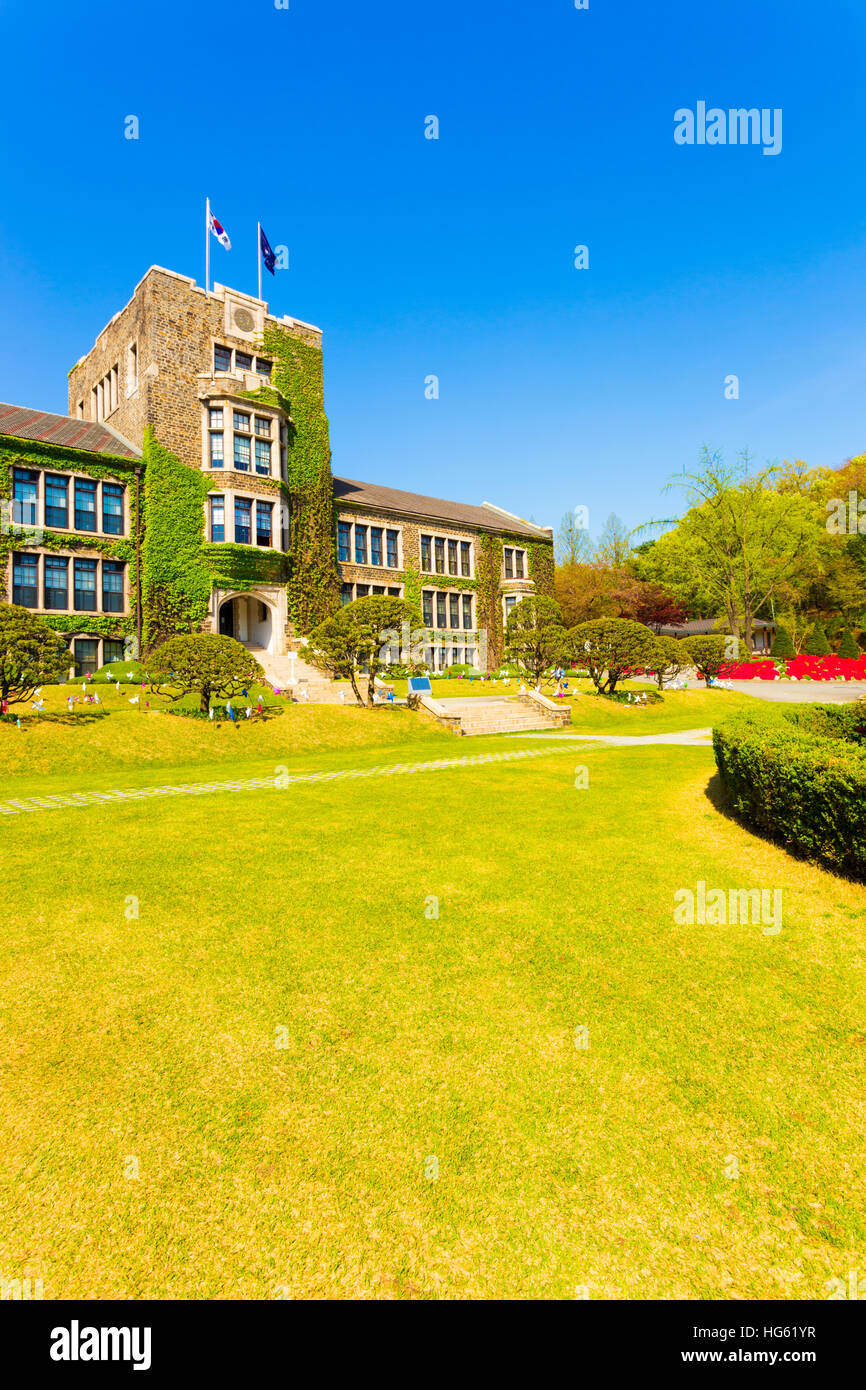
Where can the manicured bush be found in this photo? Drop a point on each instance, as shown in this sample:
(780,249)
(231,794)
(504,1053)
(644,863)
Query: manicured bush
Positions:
(848,648)
(202,664)
(782,646)
(707,653)
(670,661)
(612,648)
(799,776)
(816,642)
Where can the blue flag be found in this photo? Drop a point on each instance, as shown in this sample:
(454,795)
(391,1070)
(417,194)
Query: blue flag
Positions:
(268,255)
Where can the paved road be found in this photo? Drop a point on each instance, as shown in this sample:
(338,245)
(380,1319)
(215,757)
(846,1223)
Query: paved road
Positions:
(802,692)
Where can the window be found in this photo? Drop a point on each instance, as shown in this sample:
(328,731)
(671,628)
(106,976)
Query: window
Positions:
(243,516)
(85,585)
(394,593)
(79,410)
(222,359)
(242,453)
(94,405)
(112,650)
(25,580)
(215,417)
(441,618)
(263,367)
(104,393)
(345,594)
(467,610)
(454,609)
(56,582)
(375,545)
(518,564)
(427,608)
(378,589)
(360,545)
(25,495)
(112,587)
(510,601)
(243,362)
(344,537)
(263,426)
(464,559)
(362,590)
(85,655)
(452,557)
(263,522)
(263,456)
(509,563)
(131,368)
(85,505)
(112,509)
(56,502)
(217,448)
(391,545)
(241,421)
(217,519)
(426,554)
(439,549)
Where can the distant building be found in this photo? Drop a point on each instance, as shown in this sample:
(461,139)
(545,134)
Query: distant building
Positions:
(180,380)
(763,631)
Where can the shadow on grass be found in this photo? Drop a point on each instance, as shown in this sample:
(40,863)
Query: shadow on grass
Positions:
(29,718)
(718,798)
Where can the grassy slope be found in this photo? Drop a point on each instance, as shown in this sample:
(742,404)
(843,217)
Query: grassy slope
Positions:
(303,1169)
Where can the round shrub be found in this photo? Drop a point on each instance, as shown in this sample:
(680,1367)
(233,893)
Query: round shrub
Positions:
(799,775)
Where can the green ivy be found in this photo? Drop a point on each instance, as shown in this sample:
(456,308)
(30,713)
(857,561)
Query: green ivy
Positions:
(487,573)
(176,577)
(240,567)
(313,588)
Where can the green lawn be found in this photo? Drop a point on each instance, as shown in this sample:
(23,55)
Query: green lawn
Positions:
(304,916)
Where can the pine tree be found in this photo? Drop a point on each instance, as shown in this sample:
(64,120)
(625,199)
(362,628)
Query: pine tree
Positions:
(848,647)
(816,642)
(782,646)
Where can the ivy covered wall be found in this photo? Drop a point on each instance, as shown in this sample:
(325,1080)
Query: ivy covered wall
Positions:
(313,588)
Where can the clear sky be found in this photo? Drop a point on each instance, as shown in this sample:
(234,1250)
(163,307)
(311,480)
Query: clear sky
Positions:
(558,387)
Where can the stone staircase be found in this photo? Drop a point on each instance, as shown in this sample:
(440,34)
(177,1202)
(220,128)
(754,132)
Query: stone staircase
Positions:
(307,684)
(497,715)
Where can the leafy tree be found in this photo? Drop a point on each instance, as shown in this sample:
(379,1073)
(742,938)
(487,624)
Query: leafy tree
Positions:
(614,543)
(534,635)
(656,606)
(707,654)
(585,591)
(202,664)
(670,660)
(30,654)
(816,642)
(782,646)
(611,647)
(848,647)
(573,543)
(741,543)
(370,633)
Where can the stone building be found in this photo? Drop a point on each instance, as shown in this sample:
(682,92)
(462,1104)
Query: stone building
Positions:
(215,406)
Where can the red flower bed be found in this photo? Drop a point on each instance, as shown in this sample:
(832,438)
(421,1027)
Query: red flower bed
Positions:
(816,668)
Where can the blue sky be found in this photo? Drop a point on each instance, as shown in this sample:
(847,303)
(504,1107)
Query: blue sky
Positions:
(454,257)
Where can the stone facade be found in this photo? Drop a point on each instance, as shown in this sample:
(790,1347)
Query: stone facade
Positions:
(182,363)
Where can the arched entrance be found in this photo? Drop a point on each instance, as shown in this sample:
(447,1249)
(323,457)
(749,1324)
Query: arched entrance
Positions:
(250,620)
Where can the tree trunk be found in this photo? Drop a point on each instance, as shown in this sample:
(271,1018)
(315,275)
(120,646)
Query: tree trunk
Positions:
(205,699)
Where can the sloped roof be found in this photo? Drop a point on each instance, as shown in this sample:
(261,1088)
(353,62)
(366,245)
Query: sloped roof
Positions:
(701,627)
(22,423)
(392,499)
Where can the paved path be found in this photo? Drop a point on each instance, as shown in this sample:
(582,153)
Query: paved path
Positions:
(281,779)
(686,738)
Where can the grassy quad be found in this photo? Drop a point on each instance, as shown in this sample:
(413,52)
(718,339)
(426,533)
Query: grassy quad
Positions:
(304,917)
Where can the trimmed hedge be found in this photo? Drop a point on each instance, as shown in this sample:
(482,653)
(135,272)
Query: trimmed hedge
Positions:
(799,775)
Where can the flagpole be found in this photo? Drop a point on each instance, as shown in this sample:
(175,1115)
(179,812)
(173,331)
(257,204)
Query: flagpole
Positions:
(207,250)
(259,254)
